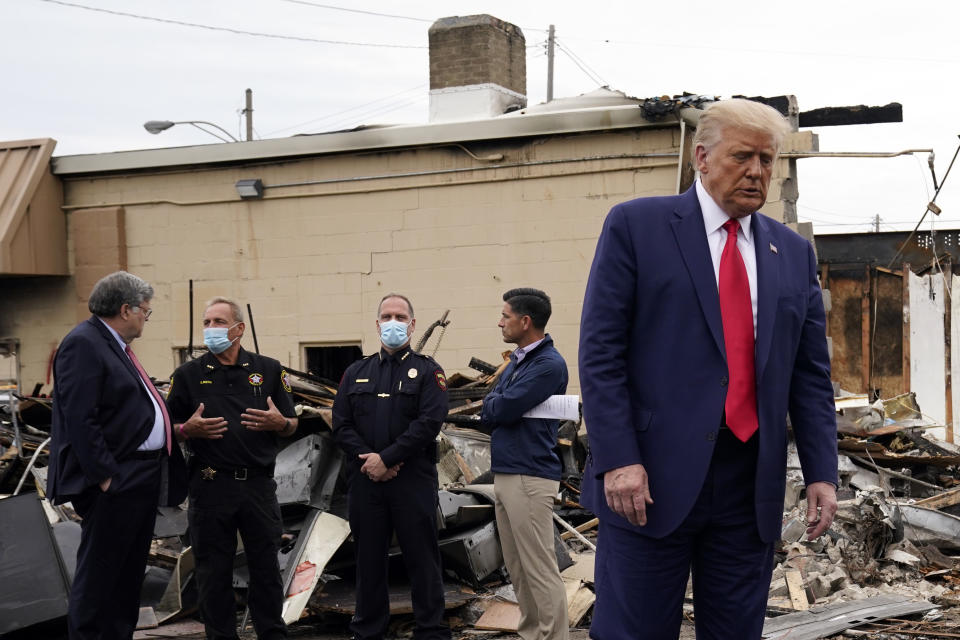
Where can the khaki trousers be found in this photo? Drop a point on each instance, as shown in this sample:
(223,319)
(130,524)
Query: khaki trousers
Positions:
(524,508)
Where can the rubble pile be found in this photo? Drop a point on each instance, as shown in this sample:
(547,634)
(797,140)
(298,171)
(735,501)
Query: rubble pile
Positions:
(896,536)
(891,558)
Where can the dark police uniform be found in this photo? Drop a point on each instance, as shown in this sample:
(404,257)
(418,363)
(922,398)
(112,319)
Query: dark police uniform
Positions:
(232,487)
(394,405)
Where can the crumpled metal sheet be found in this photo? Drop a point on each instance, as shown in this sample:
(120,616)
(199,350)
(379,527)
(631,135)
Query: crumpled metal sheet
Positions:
(306,471)
(824,621)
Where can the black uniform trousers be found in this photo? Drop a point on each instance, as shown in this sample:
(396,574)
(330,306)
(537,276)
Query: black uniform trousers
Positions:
(219,508)
(408,505)
(114,544)
(645,578)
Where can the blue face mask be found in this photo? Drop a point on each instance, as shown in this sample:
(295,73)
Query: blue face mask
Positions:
(393,333)
(216,339)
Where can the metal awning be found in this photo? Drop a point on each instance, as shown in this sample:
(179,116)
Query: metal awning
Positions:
(33,228)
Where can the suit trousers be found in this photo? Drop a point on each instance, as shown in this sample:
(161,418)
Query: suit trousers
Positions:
(406,505)
(524,506)
(114,543)
(220,508)
(641,581)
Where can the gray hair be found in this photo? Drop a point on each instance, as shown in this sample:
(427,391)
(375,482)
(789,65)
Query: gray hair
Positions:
(234,307)
(115,290)
(738,113)
(396,295)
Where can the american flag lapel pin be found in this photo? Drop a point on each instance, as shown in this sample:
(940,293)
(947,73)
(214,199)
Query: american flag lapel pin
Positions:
(773,248)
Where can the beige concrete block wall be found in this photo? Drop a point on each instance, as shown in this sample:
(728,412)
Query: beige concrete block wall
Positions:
(314,260)
(39,311)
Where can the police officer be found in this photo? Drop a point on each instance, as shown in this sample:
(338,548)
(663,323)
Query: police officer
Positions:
(230,406)
(386,418)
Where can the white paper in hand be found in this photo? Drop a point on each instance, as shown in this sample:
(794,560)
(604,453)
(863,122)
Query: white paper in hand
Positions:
(558,407)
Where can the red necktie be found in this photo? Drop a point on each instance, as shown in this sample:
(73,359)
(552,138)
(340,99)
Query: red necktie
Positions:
(156,395)
(736,310)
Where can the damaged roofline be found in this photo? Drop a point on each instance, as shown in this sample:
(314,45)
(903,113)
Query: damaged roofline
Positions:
(511,126)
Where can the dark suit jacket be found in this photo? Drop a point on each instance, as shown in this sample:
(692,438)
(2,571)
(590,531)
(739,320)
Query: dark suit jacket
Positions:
(653,367)
(101,414)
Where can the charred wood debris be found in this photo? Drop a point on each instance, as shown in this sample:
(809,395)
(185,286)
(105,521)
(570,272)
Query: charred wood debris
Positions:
(889,567)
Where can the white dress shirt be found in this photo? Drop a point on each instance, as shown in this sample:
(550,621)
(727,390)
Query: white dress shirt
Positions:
(157,438)
(713,219)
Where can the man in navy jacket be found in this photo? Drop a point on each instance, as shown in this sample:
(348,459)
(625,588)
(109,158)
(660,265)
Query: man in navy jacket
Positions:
(685,407)
(525,466)
(112,455)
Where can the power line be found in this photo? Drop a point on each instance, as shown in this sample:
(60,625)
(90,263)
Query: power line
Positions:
(368,13)
(928,208)
(382,15)
(348,110)
(583,65)
(378,112)
(792,52)
(242,32)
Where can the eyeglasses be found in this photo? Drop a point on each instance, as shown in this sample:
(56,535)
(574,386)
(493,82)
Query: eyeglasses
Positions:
(146,312)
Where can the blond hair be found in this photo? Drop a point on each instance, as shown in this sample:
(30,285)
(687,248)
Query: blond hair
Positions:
(738,113)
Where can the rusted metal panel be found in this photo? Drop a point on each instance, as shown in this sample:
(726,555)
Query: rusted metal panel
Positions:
(906,330)
(887,336)
(844,327)
(865,326)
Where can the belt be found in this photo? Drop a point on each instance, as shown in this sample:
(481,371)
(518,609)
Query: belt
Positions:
(234,473)
(152,454)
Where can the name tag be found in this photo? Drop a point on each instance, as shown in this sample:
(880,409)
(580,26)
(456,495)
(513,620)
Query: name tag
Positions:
(362,380)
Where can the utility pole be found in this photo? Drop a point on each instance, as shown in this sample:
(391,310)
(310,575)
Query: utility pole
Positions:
(248,112)
(550,41)
(876,224)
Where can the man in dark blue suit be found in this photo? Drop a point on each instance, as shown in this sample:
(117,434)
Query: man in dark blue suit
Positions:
(702,328)
(112,456)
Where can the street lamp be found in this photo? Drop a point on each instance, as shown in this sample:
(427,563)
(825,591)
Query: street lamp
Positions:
(156,126)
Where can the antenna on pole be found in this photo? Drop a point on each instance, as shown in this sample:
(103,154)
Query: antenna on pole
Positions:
(248,112)
(550,42)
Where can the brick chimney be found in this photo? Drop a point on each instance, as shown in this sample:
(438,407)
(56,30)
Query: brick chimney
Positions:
(478,68)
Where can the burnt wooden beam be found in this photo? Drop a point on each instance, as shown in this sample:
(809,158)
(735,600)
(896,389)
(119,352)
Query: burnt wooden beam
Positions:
(780,103)
(835,116)
(859,114)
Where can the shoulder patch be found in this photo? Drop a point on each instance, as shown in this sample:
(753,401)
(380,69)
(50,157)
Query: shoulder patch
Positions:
(284,380)
(441,380)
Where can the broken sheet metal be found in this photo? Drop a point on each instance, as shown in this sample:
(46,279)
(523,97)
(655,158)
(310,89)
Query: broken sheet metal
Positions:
(462,510)
(823,621)
(473,554)
(35,585)
(180,596)
(321,536)
(306,471)
(929,526)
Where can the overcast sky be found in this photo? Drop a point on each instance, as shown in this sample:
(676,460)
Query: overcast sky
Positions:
(89,79)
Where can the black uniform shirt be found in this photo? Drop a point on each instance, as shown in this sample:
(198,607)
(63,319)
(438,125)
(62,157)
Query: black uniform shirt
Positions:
(228,391)
(392,405)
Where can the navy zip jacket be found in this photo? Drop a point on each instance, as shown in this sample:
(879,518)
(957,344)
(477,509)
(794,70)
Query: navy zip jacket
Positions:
(526,445)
